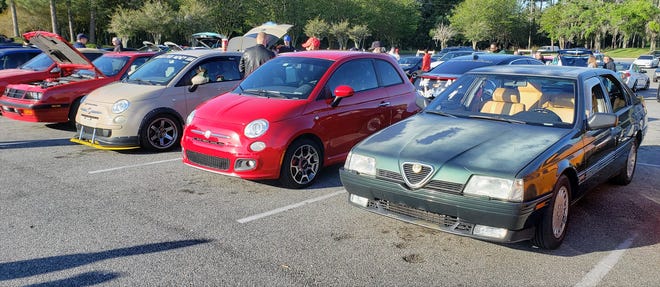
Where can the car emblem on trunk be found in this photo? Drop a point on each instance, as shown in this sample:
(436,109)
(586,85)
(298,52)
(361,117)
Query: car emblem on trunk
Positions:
(207,134)
(417,168)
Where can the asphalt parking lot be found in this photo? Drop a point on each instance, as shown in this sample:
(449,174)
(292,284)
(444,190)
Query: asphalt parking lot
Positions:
(76,216)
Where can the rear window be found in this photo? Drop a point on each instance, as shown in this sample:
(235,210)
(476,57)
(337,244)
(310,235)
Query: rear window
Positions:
(649,57)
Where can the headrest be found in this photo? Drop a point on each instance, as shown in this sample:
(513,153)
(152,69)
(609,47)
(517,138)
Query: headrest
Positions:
(506,95)
(563,100)
(530,88)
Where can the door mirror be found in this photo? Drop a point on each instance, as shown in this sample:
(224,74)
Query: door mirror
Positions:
(340,93)
(602,120)
(56,70)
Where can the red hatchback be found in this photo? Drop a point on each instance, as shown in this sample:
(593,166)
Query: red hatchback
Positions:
(296,114)
(57,99)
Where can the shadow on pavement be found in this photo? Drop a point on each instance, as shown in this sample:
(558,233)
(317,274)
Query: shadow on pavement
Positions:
(32,267)
(85,279)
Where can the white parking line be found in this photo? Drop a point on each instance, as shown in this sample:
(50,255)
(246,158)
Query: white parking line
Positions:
(603,267)
(648,164)
(135,165)
(292,206)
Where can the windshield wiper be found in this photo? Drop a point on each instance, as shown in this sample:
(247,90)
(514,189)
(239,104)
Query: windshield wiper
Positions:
(441,113)
(264,93)
(501,119)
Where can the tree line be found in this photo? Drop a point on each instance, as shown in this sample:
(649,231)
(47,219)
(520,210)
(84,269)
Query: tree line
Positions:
(342,24)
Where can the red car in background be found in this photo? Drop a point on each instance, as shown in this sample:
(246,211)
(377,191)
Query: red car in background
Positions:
(57,99)
(296,114)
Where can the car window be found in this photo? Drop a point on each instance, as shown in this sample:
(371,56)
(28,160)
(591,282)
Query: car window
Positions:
(137,63)
(597,102)
(617,94)
(358,74)
(160,70)
(388,74)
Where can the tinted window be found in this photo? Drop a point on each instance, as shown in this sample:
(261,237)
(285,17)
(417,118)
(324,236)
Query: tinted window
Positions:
(617,94)
(388,74)
(358,74)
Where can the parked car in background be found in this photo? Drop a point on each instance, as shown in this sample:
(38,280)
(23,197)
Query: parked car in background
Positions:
(296,114)
(454,49)
(547,49)
(646,61)
(655,53)
(432,83)
(656,75)
(577,57)
(504,166)
(11,58)
(439,59)
(57,99)
(634,76)
(147,109)
(411,65)
(40,67)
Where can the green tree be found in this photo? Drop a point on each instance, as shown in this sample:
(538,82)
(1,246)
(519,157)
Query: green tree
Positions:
(317,28)
(442,33)
(358,34)
(340,32)
(156,19)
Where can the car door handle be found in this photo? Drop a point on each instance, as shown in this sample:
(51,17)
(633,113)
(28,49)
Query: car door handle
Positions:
(384,104)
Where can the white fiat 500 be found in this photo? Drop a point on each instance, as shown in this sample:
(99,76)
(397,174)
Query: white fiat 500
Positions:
(148,108)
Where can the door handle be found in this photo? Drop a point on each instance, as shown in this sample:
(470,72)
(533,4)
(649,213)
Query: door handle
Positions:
(384,104)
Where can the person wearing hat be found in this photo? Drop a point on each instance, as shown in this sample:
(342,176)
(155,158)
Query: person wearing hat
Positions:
(81,41)
(286,47)
(312,43)
(375,47)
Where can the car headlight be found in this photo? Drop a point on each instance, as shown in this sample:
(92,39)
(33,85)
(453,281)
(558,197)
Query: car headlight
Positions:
(120,106)
(500,188)
(256,128)
(33,95)
(361,164)
(190,117)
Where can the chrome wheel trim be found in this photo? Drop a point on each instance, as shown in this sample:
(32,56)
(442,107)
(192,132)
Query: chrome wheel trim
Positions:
(560,212)
(632,160)
(304,165)
(162,133)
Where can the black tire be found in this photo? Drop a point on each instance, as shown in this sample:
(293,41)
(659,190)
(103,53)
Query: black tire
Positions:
(627,172)
(655,80)
(302,162)
(646,87)
(161,132)
(634,87)
(73,111)
(551,230)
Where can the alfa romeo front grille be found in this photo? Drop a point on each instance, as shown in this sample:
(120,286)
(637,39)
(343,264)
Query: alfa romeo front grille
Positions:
(435,185)
(444,222)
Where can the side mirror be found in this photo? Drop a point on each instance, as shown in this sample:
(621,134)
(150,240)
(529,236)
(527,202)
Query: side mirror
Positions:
(341,92)
(196,81)
(602,120)
(56,70)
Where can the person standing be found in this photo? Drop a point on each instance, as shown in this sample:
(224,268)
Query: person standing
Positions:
(287,46)
(312,44)
(539,57)
(81,41)
(255,56)
(426,61)
(116,42)
(592,63)
(609,63)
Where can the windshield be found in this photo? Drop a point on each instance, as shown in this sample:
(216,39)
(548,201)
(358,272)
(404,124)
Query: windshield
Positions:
(110,66)
(160,70)
(38,63)
(285,77)
(512,98)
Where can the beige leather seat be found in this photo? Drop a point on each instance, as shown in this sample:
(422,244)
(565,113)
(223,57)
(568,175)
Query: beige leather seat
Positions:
(563,105)
(505,102)
(530,95)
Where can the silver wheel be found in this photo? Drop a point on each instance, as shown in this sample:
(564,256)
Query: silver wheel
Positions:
(161,133)
(304,164)
(560,212)
(631,161)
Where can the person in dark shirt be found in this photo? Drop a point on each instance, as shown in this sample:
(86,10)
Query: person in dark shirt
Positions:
(609,63)
(255,56)
(286,47)
(81,41)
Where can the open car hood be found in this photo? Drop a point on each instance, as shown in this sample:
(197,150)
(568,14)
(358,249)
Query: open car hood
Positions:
(60,51)
(209,39)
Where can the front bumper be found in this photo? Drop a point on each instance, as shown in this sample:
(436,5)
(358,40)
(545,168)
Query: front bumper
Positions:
(102,139)
(444,211)
(33,112)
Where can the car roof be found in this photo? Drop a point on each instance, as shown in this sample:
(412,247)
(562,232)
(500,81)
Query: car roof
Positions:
(203,52)
(335,55)
(489,57)
(131,53)
(533,70)
(19,50)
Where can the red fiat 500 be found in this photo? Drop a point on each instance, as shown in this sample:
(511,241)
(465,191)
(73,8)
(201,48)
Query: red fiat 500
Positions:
(296,114)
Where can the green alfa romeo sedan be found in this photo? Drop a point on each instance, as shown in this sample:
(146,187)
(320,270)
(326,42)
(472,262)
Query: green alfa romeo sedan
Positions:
(503,153)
